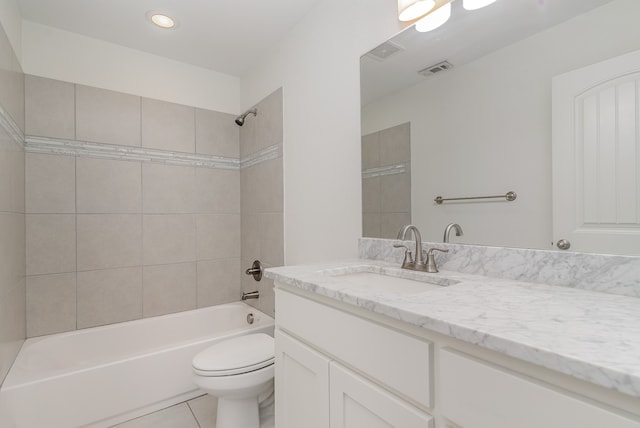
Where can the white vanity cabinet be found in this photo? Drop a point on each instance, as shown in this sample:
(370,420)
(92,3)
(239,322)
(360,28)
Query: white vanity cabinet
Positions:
(339,367)
(318,349)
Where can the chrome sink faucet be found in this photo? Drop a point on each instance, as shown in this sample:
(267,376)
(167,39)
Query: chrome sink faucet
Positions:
(447,231)
(409,262)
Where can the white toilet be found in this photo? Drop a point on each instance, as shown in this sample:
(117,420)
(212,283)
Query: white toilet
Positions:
(238,371)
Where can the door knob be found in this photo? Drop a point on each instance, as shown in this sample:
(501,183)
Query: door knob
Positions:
(563,244)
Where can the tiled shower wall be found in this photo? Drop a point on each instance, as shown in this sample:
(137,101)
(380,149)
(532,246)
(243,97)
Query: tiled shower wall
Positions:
(386,181)
(133,207)
(12,251)
(262,196)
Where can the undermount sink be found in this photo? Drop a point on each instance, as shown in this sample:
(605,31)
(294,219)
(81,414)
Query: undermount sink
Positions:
(378,278)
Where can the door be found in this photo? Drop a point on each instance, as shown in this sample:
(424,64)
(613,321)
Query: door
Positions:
(357,403)
(596,157)
(302,385)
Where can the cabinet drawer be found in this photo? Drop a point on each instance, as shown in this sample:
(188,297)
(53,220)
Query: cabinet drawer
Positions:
(399,361)
(475,394)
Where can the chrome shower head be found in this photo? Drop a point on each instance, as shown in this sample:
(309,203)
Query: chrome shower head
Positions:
(240,119)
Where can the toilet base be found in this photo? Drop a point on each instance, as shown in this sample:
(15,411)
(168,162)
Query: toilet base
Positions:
(238,413)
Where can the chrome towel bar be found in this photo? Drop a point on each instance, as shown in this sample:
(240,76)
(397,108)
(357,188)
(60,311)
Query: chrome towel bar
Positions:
(510,196)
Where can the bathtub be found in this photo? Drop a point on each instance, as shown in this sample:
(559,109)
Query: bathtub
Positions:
(102,376)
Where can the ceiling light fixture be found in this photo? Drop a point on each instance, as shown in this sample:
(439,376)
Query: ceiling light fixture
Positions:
(162,20)
(435,19)
(476,4)
(408,10)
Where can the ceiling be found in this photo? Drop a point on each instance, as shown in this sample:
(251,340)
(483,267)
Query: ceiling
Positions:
(468,35)
(228,36)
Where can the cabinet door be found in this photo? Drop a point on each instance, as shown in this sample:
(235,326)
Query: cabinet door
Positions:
(358,403)
(302,385)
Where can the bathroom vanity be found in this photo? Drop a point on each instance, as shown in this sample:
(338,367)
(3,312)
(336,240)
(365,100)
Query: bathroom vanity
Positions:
(364,343)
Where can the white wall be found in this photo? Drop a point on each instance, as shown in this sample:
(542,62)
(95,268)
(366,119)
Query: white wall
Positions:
(317,64)
(61,55)
(485,128)
(11,21)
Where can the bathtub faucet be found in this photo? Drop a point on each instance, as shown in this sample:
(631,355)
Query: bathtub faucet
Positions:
(250,295)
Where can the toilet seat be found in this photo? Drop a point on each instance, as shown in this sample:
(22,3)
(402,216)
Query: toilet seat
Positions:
(235,356)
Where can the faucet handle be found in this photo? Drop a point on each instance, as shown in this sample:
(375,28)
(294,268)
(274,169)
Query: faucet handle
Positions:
(431,261)
(408,256)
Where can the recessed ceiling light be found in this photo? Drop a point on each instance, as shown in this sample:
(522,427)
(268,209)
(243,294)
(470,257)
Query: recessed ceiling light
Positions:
(163,21)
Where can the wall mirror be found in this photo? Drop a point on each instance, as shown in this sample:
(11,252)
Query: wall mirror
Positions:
(466,110)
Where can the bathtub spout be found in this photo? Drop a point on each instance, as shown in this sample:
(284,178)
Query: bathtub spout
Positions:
(250,295)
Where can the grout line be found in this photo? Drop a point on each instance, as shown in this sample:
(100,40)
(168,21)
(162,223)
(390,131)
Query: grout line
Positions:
(193,413)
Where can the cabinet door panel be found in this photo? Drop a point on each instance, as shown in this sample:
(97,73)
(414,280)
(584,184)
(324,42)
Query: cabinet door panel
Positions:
(302,385)
(475,394)
(358,403)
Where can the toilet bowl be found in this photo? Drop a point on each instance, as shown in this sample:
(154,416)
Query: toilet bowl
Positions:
(237,371)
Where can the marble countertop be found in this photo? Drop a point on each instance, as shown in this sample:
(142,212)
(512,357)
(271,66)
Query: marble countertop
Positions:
(589,335)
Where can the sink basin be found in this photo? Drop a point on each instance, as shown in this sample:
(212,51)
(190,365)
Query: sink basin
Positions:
(386,279)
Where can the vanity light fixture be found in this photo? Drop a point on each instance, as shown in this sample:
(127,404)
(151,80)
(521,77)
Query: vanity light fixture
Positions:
(435,19)
(408,10)
(162,20)
(476,4)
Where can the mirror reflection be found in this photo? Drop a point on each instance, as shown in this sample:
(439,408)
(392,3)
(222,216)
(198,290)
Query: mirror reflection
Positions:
(483,124)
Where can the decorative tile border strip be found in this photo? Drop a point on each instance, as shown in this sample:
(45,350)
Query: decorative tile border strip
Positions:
(268,153)
(12,128)
(384,170)
(55,146)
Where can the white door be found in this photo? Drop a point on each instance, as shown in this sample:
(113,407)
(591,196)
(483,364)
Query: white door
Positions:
(302,385)
(596,157)
(358,403)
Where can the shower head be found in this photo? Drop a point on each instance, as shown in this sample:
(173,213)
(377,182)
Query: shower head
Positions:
(240,119)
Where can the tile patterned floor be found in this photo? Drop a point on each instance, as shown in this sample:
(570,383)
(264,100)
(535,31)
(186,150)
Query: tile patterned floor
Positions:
(199,412)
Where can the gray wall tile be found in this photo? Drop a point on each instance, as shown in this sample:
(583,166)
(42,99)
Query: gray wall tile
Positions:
(371,195)
(51,243)
(395,193)
(51,304)
(169,288)
(168,126)
(104,116)
(168,189)
(371,150)
(49,108)
(50,183)
(395,144)
(12,165)
(12,323)
(12,248)
(272,238)
(11,82)
(109,241)
(217,191)
(218,282)
(269,129)
(218,236)
(217,134)
(108,186)
(109,296)
(168,239)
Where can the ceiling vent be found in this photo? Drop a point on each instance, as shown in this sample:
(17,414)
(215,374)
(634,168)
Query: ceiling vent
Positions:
(436,68)
(384,51)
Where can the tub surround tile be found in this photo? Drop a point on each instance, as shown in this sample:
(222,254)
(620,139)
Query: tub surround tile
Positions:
(168,289)
(108,241)
(272,238)
(598,332)
(395,193)
(217,134)
(218,236)
(218,191)
(248,137)
(12,248)
(12,325)
(49,108)
(251,235)
(269,129)
(51,243)
(169,238)
(371,224)
(395,144)
(12,185)
(51,304)
(371,150)
(108,186)
(105,116)
(50,184)
(109,296)
(168,126)
(391,223)
(218,282)
(168,189)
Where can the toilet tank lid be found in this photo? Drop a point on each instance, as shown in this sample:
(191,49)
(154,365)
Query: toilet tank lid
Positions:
(236,353)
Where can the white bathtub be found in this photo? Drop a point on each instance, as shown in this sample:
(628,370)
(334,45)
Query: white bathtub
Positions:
(105,375)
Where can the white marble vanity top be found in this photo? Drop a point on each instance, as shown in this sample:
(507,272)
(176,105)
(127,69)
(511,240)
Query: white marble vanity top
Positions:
(589,335)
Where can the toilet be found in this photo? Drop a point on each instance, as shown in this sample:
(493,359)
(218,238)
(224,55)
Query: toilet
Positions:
(238,371)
